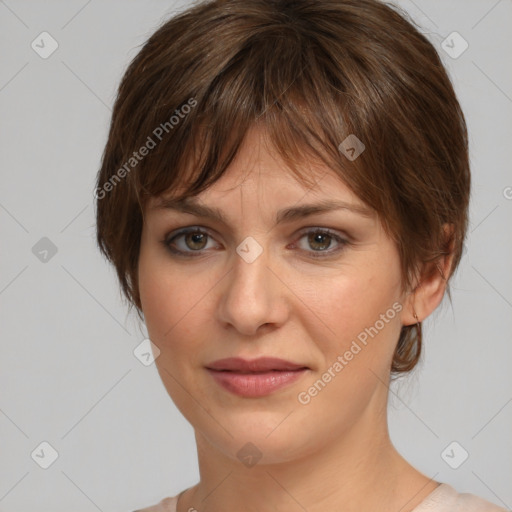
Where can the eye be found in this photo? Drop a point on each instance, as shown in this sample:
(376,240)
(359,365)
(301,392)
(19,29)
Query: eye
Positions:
(320,240)
(188,241)
(193,242)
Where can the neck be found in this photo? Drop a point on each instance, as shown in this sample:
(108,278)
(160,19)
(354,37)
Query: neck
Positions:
(360,470)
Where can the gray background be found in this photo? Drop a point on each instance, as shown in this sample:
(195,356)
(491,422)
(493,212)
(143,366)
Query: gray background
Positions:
(68,373)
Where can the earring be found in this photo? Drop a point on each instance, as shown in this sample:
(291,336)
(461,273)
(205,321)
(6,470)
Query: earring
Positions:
(415,316)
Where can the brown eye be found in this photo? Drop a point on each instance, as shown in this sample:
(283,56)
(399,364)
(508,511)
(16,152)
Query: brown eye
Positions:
(196,240)
(319,243)
(319,240)
(188,242)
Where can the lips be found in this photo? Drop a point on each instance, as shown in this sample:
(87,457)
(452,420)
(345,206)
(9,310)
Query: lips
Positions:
(260,365)
(256,378)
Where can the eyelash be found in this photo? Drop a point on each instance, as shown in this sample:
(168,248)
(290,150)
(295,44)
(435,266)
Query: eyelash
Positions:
(167,242)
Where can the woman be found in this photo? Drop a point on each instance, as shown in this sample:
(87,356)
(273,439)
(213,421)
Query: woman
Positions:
(284,195)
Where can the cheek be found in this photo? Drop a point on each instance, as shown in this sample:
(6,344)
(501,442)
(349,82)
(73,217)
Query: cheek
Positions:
(161,293)
(164,301)
(360,307)
(361,311)
(171,300)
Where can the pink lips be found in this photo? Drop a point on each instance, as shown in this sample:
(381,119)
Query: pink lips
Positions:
(255,378)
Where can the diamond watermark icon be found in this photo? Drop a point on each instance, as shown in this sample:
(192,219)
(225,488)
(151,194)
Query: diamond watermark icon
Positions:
(44,250)
(44,455)
(351,147)
(454,455)
(146,352)
(249,249)
(44,45)
(249,455)
(454,45)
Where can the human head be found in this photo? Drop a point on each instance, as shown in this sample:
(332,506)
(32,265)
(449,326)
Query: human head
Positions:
(312,73)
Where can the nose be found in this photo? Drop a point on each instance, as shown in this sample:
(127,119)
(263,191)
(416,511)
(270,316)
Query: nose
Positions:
(253,296)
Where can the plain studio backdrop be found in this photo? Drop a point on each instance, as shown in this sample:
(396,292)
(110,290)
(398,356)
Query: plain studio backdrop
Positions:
(76,398)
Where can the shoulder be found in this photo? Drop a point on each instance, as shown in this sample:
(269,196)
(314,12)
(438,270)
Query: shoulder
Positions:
(446,499)
(165,505)
(471,503)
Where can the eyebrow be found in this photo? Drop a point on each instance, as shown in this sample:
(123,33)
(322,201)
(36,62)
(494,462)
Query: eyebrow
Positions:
(190,205)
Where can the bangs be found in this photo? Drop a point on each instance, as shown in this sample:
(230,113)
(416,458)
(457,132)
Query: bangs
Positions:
(294,99)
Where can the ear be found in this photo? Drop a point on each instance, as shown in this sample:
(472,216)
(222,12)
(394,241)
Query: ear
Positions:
(429,292)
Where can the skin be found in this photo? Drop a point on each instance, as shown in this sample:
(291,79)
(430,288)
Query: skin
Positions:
(334,452)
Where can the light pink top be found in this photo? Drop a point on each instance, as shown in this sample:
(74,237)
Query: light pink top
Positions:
(443,498)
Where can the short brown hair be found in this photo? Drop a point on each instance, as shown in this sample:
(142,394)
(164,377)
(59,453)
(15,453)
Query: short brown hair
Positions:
(312,72)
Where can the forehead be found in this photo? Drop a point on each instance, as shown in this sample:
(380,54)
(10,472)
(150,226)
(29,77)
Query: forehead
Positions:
(280,205)
(259,170)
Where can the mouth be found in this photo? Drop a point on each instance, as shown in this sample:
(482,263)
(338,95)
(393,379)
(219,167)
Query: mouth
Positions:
(255,378)
(260,365)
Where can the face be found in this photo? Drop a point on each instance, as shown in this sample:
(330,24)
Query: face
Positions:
(320,289)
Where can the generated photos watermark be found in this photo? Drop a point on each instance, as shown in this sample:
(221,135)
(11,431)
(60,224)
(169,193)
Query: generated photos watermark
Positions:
(305,397)
(137,156)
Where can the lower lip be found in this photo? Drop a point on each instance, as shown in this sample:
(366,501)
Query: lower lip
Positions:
(255,384)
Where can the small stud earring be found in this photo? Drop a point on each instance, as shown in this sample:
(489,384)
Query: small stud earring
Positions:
(415,316)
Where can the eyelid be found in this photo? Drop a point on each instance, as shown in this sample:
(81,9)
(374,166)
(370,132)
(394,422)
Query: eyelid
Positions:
(187,229)
(331,231)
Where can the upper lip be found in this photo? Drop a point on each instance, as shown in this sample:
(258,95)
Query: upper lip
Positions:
(261,364)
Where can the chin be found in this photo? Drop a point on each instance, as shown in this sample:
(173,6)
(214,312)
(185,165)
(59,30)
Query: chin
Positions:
(253,447)
(259,434)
